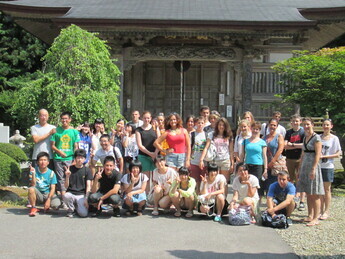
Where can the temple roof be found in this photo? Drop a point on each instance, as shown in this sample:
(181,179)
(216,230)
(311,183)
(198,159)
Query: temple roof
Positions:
(204,11)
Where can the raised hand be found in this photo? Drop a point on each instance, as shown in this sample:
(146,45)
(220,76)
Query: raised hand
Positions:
(52,131)
(99,174)
(67,171)
(203,178)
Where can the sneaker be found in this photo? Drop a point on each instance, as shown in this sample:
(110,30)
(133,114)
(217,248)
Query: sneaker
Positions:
(70,215)
(155,212)
(217,218)
(116,212)
(96,213)
(301,206)
(289,221)
(33,212)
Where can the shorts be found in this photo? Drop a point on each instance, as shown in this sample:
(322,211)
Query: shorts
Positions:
(146,163)
(282,211)
(223,165)
(42,197)
(327,174)
(292,166)
(60,173)
(195,172)
(175,159)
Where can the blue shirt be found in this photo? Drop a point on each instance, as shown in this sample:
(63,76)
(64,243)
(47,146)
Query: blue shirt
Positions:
(253,152)
(43,181)
(85,143)
(275,191)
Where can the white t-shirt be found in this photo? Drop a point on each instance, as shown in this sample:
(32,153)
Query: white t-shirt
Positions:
(126,179)
(215,186)
(132,149)
(162,179)
(44,145)
(222,146)
(243,188)
(280,129)
(329,147)
(198,147)
(101,154)
(238,143)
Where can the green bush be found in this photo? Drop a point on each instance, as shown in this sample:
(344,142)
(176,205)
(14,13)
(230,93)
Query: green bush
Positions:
(13,151)
(9,170)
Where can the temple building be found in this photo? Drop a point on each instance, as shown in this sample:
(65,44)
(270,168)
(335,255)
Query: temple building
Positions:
(178,55)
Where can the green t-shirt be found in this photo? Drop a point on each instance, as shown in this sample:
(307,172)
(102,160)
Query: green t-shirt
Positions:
(64,141)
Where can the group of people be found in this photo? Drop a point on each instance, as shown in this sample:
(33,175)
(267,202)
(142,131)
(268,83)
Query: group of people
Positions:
(164,163)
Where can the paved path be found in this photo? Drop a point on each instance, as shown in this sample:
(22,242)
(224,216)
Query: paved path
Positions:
(55,236)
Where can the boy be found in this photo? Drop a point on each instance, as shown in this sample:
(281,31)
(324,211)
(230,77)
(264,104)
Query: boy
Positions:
(78,184)
(63,143)
(42,185)
(106,187)
(280,197)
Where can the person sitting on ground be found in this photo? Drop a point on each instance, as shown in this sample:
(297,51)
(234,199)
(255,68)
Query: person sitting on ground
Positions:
(182,193)
(280,197)
(78,179)
(42,185)
(212,193)
(162,178)
(134,186)
(245,189)
(106,187)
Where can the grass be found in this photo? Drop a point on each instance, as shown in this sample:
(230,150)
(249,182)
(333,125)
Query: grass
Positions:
(21,193)
(338,192)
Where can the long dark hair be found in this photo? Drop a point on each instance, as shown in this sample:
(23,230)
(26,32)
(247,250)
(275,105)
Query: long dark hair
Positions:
(179,122)
(227,129)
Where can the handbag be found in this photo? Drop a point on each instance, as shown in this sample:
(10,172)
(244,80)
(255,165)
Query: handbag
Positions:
(279,165)
(240,216)
(211,152)
(208,204)
(279,221)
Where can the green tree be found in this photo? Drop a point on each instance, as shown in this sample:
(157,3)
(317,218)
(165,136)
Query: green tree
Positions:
(78,76)
(316,81)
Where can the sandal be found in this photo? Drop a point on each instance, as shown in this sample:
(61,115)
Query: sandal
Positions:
(155,212)
(323,216)
(311,224)
(177,213)
(189,214)
(305,220)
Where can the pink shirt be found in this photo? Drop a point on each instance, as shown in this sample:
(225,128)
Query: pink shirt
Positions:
(177,142)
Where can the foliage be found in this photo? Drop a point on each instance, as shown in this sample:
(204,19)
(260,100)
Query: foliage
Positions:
(316,81)
(78,76)
(9,170)
(13,151)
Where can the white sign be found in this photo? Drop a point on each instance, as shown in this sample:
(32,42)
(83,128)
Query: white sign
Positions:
(201,101)
(221,99)
(229,111)
(128,103)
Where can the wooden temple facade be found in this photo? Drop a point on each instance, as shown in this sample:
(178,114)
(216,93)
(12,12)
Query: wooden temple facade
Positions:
(225,47)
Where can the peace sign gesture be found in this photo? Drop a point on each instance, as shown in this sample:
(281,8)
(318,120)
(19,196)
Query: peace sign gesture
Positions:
(203,178)
(67,171)
(99,173)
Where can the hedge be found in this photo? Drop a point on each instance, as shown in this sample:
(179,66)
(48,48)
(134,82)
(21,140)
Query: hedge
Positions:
(9,170)
(13,151)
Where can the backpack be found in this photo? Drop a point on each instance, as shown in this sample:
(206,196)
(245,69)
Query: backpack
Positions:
(279,221)
(240,216)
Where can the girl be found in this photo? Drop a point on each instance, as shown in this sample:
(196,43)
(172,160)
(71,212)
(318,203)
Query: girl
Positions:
(130,145)
(310,176)
(134,186)
(182,193)
(118,135)
(245,133)
(190,124)
(178,140)
(162,178)
(98,131)
(330,149)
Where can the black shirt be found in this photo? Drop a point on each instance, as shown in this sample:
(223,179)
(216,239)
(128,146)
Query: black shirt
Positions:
(294,137)
(77,180)
(106,183)
(148,137)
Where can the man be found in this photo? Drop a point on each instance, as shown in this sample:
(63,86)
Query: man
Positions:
(205,112)
(107,150)
(78,185)
(105,187)
(41,135)
(280,129)
(136,119)
(293,150)
(63,143)
(42,185)
(280,197)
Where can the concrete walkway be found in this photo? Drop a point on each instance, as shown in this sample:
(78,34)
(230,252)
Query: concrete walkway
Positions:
(55,236)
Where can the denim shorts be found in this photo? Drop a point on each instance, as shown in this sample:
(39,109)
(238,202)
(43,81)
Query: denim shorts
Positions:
(175,159)
(327,174)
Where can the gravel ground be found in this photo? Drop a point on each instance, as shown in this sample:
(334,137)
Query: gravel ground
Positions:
(325,240)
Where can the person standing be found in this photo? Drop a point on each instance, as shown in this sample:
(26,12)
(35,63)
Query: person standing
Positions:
(63,143)
(136,119)
(280,129)
(41,134)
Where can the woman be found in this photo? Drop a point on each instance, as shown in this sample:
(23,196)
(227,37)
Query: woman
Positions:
(248,116)
(130,145)
(212,188)
(178,153)
(134,186)
(162,178)
(213,118)
(118,135)
(98,131)
(330,149)
(275,146)
(245,189)
(190,124)
(182,193)
(245,133)
(161,127)
(254,155)
(146,136)
(85,141)
(310,176)
(223,141)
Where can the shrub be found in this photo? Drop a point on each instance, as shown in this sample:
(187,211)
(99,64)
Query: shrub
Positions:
(13,151)
(9,170)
